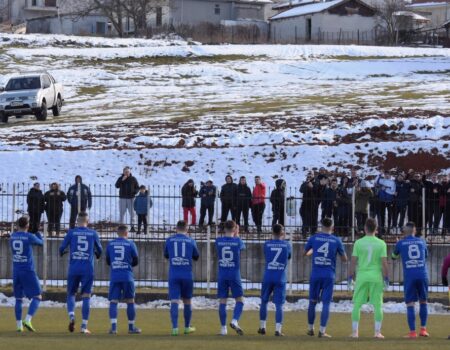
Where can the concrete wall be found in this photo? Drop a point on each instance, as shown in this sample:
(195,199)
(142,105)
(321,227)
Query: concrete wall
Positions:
(153,265)
(65,25)
(437,14)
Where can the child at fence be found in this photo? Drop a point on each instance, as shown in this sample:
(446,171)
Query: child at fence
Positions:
(142,204)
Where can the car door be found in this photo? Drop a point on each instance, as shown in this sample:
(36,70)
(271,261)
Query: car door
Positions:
(48,90)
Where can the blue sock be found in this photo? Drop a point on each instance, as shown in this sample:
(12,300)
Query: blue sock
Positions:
(325,314)
(279,313)
(131,314)
(411,316)
(223,314)
(113,315)
(174,314)
(263,312)
(423,314)
(311,312)
(187,315)
(238,310)
(85,309)
(34,306)
(18,309)
(71,306)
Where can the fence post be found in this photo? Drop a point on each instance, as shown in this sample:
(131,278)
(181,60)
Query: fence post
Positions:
(12,208)
(353,213)
(45,256)
(208,259)
(424,224)
(291,264)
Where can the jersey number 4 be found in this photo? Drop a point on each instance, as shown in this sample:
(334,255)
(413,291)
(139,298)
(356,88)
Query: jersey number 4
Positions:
(324,249)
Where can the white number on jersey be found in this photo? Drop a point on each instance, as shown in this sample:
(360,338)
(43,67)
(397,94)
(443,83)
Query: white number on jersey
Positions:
(227,254)
(119,252)
(18,247)
(183,249)
(82,244)
(369,253)
(324,249)
(413,252)
(277,255)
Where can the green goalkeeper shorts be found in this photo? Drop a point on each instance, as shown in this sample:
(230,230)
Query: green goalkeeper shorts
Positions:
(371,292)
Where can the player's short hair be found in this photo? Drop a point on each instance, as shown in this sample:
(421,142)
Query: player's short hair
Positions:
(370,225)
(327,222)
(230,226)
(122,229)
(181,225)
(23,222)
(277,230)
(83,217)
(409,228)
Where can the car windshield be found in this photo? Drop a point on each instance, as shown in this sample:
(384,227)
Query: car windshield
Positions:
(23,84)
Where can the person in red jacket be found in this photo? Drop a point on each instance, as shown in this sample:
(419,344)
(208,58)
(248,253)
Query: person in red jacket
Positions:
(258,202)
(444,272)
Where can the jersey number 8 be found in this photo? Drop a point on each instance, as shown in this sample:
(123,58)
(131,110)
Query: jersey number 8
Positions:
(413,252)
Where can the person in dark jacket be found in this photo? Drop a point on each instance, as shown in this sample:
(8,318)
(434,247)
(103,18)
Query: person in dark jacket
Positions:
(36,205)
(188,194)
(309,207)
(278,199)
(128,188)
(142,204)
(80,199)
(444,204)
(415,202)
(432,193)
(228,197)
(363,194)
(400,201)
(329,204)
(208,193)
(344,203)
(54,205)
(244,200)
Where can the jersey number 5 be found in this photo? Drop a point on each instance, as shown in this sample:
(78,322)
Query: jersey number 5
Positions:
(82,244)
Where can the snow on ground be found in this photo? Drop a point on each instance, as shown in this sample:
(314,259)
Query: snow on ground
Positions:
(251,303)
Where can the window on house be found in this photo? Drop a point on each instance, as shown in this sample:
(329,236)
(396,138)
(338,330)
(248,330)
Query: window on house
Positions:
(33,2)
(50,3)
(100,28)
(159,16)
(217,9)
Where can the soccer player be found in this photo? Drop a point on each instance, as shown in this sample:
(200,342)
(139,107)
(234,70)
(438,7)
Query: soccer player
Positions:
(324,248)
(444,272)
(25,280)
(413,252)
(370,257)
(83,244)
(277,252)
(229,276)
(181,250)
(122,256)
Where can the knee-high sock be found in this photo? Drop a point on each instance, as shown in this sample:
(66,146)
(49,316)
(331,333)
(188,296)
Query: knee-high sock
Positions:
(325,314)
(187,315)
(85,310)
(411,316)
(238,310)
(131,314)
(71,305)
(378,314)
(223,314)
(113,315)
(263,312)
(279,313)
(356,312)
(174,314)
(18,309)
(34,306)
(423,313)
(311,312)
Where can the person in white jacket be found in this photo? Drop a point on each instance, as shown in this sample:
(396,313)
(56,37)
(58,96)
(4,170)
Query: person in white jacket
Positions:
(386,195)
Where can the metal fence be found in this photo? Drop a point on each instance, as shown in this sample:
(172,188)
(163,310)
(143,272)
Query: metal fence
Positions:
(167,210)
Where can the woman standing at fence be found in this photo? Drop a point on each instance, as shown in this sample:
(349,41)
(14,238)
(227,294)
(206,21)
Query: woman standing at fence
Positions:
(244,199)
(188,194)
(54,199)
(35,202)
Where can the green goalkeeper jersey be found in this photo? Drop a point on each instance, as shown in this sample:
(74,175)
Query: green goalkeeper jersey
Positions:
(369,250)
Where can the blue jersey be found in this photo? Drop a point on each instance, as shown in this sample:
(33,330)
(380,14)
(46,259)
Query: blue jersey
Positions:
(414,253)
(180,250)
(277,254)
(121,255)
(83,244)
(229,256)
(21,247)
(325,249)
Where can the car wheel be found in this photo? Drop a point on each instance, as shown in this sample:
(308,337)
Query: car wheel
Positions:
(42,114)
(3,118)
(56,109)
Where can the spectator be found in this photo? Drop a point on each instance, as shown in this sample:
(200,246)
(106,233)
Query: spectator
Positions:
(309,207)
(188,194)
(344,202)
(228,198)
(444,204)
(277,199)
(329,203)
(386,193)
(321,175)
(363,194)
(142,205)
(432,193)
(354,180)
(415,201)
(244,200)
(80,199)
(36,205)
(128,188)
(402,189)
(208,194)
(54,205)
(258,203)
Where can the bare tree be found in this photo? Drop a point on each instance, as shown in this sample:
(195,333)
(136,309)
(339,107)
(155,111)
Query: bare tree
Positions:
(139,11)
(388,16)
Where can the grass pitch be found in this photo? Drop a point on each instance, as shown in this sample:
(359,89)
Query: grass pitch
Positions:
(51,325)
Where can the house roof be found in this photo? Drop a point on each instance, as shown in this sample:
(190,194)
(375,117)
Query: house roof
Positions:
(292,3)
(427,4)
(411,14)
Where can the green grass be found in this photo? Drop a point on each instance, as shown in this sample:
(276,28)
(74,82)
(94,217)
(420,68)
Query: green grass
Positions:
(92,90)
(52,334)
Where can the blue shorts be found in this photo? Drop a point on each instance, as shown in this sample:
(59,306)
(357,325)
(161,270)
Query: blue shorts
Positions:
(26,283)
(180,288)
(278,289)
(415,290)
(224,286)
(321,289)
(121,290)
(74,282)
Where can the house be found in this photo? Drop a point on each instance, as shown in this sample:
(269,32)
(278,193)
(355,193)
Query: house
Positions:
(437,11)
(336,21)
(18,11)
